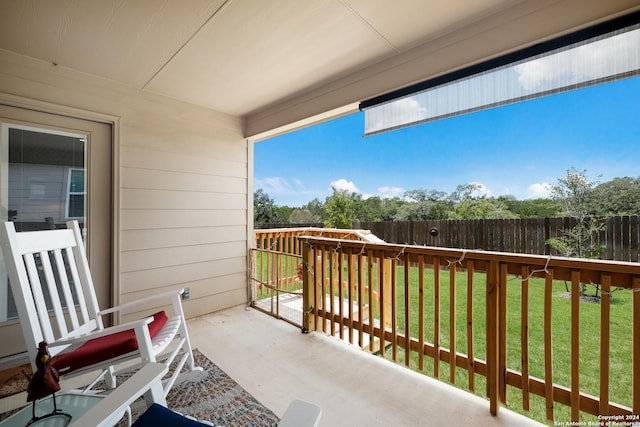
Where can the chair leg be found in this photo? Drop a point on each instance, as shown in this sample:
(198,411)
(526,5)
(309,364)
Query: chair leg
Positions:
(187,346)
(110,378)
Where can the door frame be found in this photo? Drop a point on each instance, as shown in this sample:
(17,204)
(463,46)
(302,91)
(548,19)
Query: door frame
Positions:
(112,233)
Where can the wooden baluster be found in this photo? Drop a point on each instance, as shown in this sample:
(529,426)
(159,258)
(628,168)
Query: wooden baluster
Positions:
(421,312)
(371,298)
(605,339)
(340,267)
(350,283)
(502,356)
(407,309)
(330,296)
(318,270)
(286,265)
(548,344)
(452,322)
(394,320)
(382,285)
(436,317)
(575,346)
(308,290)
(361,259)
(493,320)
(636,347)
(524,337)
(470,354)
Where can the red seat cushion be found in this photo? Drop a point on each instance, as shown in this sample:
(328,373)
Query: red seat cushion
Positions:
(104,348)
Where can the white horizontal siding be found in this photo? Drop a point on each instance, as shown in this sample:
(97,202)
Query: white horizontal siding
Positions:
(201,304)
(167,237)
(164,278)
(155,219)
(206,164)
(176,180)
(181,199)
(180,255)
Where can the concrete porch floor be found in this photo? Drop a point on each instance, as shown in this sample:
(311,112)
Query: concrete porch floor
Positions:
(276,363)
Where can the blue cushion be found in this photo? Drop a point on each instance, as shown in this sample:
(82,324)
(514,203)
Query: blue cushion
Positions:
(159,416)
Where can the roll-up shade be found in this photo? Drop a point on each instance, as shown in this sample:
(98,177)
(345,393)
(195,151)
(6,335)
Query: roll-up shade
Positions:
(592,60)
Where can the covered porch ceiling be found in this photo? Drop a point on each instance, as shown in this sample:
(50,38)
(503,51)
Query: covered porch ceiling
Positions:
(282,63)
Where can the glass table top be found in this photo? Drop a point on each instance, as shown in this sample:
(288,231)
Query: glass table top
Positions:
(74,404)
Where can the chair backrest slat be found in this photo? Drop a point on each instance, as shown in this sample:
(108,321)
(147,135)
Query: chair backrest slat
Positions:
(38,297)
(66,289)
(77,286)
(44,240)
(54,296)
(80,262)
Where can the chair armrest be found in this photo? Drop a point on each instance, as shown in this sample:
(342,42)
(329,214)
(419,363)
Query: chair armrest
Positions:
(79,339)
(108,412)
(169,295)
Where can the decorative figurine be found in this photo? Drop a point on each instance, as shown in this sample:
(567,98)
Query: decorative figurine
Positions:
(44,382)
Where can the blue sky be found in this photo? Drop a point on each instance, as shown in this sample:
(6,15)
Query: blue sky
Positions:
(518,149)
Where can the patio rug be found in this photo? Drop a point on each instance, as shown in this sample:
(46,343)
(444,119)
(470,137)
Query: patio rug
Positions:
(13,380)
(214,397)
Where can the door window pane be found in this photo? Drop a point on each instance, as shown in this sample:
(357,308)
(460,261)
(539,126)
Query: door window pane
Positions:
(43,184)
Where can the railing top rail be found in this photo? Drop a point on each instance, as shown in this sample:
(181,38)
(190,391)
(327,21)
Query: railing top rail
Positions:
(350,234)
(542,261)
(288,229)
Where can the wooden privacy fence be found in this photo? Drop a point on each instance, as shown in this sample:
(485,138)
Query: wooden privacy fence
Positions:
(620,236)
(486,319)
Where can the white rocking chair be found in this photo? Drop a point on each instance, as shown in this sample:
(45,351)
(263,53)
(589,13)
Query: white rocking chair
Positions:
(56,302)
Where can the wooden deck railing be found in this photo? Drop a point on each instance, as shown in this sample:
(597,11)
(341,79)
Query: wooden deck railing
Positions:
(513,323)
(275,267)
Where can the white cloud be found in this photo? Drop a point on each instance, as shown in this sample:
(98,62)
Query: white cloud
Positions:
(532,74)
(387,192)
(395,113)
(539,190)
(286,193)
(409,109)
(580,64)
(273,185)
(481,191)
(342,184)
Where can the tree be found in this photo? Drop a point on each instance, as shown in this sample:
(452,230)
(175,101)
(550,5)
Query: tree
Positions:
(316,207)
(466,191)
(340,209)
(482,208)
(424,195)
(620,196)
(370,209)
(303,216)
(390,207)
(574,192)
(531,208)
(283,213)
(423,205)
(264,208)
